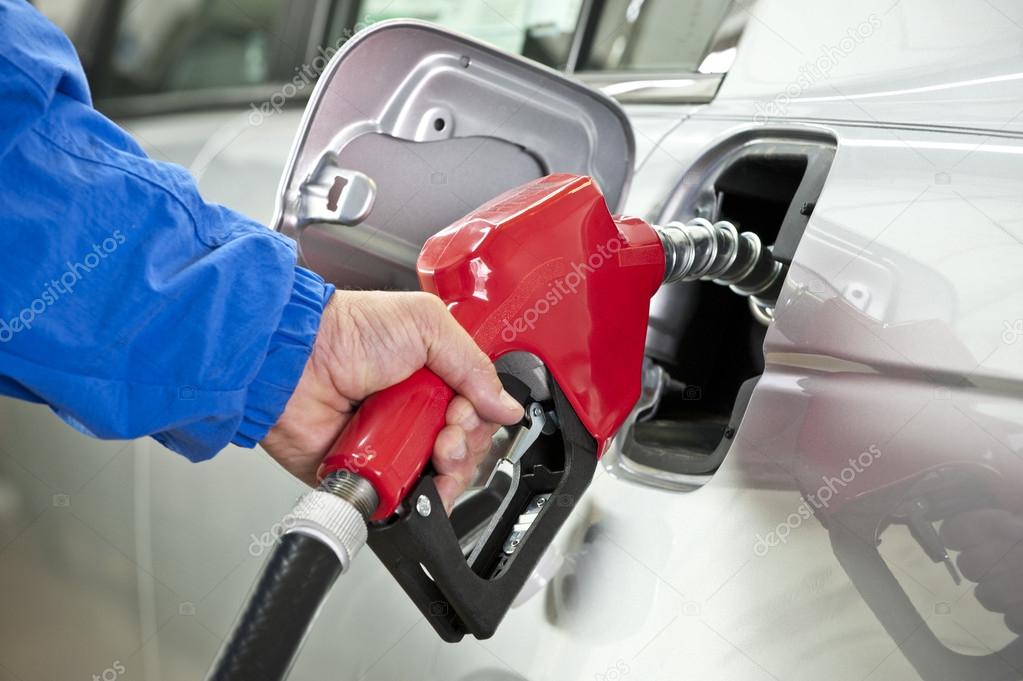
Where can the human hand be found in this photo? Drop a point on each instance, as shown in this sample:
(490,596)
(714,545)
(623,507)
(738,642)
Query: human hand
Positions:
(990,542)
(372,340)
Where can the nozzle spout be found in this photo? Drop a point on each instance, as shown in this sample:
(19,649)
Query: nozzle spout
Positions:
(700,250)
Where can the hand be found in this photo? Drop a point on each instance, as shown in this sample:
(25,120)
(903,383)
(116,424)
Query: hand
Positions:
(991,546)
(369,341)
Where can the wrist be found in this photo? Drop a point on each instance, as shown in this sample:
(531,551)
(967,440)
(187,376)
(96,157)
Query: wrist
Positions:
(316,411)
(287,354)
(319,380)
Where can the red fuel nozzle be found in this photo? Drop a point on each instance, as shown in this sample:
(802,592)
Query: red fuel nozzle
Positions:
(543,269)
(545,272)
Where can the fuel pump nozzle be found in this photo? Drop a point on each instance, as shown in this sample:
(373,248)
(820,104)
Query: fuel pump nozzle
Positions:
(542,271)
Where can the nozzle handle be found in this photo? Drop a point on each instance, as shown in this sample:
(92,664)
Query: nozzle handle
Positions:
(390,438)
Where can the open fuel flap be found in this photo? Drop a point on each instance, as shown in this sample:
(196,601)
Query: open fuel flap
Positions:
(411,127)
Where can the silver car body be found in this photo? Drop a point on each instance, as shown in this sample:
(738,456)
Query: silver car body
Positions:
(897,332)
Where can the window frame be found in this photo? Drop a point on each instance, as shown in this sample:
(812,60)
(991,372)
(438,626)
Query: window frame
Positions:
(96,38)
(650,87)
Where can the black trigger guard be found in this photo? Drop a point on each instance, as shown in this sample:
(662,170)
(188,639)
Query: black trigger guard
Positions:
(423,554)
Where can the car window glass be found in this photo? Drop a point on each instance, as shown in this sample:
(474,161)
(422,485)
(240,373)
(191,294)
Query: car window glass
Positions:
(175,45)
(539,29)
(67,14)
(658,35)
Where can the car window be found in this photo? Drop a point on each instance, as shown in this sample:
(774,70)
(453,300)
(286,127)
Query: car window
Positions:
(215,47)
(669,36)
(177,45)
(67,14)
(539,29)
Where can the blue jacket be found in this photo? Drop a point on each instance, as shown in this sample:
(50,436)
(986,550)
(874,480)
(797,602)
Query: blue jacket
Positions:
(127,303)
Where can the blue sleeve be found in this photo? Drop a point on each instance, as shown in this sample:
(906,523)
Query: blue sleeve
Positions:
(127,303)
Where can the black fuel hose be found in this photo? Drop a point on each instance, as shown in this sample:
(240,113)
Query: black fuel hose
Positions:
(281,608)
(327,528)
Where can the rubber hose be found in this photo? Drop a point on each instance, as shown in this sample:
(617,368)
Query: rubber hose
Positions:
(281,608)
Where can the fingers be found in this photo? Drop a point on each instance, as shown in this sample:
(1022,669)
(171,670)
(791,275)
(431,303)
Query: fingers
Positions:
(448,487)
(1001,592)
(987,560)
(455,357)
(459,448)
(480,405)
(1014,618)
(981,528)
(990,542)
(462,413)
(478,433)
(453,463)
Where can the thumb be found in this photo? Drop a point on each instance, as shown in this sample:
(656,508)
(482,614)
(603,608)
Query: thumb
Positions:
(458,361)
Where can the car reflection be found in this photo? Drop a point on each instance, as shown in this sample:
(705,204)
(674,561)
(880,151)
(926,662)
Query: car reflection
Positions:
(940,456)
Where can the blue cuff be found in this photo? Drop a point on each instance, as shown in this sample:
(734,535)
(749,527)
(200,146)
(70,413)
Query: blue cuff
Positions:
(286,357)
